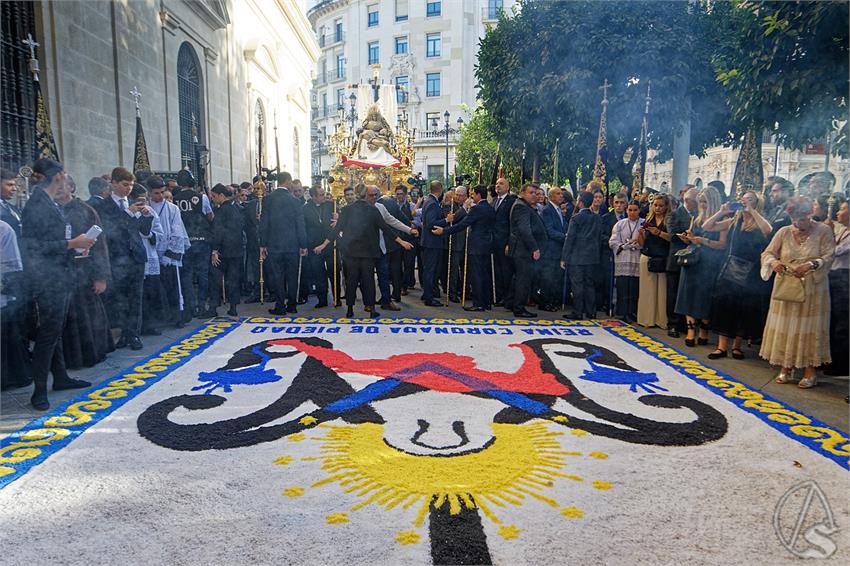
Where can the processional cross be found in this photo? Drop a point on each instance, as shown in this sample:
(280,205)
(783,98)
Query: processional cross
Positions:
(136,96)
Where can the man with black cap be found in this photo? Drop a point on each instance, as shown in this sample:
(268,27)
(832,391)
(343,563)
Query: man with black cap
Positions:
(48,251)
(227,252)
(283,239)
(124,225)
(197,214)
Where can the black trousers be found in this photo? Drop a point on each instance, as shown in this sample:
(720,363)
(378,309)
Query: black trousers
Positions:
(409,267)
(168,278)
(478,272)
(523,280)
(124,298)
(361,271)
(552,282)
(605,281)
(283,268)
(504,268)
(230,269)
(838,323)
(583,283)
(430,268)
(456,273)
(47,354)
(396,262)
(674,320)
(321,266)
(627,295)
(153,302)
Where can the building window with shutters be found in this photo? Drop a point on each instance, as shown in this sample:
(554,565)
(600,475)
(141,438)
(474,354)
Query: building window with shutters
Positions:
(401,10)
(190,105)
(19,103)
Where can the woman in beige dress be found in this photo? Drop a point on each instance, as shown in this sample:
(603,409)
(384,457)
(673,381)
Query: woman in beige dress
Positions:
(796,335)
(654,239)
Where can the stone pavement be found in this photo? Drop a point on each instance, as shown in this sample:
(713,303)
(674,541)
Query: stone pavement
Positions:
(825,402)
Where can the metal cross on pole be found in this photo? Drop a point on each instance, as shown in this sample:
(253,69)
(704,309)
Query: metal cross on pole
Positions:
(33,62)
(136,96)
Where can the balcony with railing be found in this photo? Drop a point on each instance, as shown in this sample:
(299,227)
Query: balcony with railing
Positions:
(331,39)
(431,137)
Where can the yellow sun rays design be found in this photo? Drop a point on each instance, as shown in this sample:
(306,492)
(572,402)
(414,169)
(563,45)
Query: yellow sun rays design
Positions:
(523,462)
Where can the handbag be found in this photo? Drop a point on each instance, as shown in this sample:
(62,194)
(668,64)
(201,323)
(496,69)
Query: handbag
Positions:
(688,256)
(657,264)
(787,287)
(736,270)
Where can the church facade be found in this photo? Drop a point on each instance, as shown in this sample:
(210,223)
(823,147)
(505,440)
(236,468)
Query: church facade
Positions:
(223,85)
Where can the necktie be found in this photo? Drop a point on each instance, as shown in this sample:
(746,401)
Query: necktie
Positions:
(124,204)
(498,203)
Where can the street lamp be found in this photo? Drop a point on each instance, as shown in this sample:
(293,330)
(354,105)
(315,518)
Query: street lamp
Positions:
(447,131)
(351,115)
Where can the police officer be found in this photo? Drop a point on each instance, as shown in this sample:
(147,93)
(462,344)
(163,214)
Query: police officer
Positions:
(48,252)
(196,210)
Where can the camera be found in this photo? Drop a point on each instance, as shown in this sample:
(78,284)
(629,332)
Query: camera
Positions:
(417,181)
(463,179)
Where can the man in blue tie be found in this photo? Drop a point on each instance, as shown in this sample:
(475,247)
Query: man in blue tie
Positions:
(432,245)
(556,229)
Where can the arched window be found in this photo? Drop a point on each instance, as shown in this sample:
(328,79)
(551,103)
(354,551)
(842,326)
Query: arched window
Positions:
(189,96)
(296,153)
(260,134)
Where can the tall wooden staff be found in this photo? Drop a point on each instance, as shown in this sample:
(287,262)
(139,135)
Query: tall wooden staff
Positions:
(465,266)
(260,190)
(449,265)
(497,172)
(335,268)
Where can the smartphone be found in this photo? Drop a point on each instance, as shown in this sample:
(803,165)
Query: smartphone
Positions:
(735,206)
(141,200)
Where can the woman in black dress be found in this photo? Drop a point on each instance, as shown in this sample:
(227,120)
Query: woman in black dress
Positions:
(696,284)
(86,337)
(740,300)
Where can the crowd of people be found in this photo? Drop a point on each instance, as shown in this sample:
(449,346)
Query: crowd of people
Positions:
(168,250)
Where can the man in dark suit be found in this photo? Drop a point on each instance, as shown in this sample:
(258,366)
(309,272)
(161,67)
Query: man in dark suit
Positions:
(390,264)
(124,224)
(251,265)
(502,267)
(580,257)
(98,190)
(605,273)
(556,224)
(318,217)
(679,221)
(458,245)
(227,253)
(478,226)
(283,239)
(9,213)
(527,238)
(359,225)
(408,256)
(432,245)
(48,249)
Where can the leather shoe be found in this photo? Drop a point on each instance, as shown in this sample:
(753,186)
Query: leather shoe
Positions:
(122,343)
(433,303)
(320,305)
(277,311)
(232,312)
(136,343)
(474,309)
(151,332)
(291,309)
(375,314)
(573,316)
(525,313)
(391,306)
(69,383)
(672,333)
(39,401)
(454,299)
(349,313)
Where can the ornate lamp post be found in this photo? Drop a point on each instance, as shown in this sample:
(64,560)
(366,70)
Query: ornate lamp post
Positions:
(446,131)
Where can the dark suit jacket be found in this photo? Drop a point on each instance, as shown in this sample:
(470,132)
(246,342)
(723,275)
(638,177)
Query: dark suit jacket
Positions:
(11,215)
(317,223)
(44,249)
(395,210)
(556,231)
(282,223)
(227,228)
(479,220)
(583,241)
(123,233)
(432,213)
(459,239)
(251,223)
(679,221)
(359,224)
(527,231)
(502,226)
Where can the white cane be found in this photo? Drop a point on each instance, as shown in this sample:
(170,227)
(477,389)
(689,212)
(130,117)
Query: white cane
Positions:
(179,286)
(298,281)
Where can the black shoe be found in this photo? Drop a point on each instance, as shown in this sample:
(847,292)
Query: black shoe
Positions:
(433,303)
(232,312)
(39,400)
(737,354)
(301,301)
(525,313)
(374,314)
(151,332)
(454,299)
(337,305)
(672,333)
(62,384)
(350,312)
(498,304)
(278,312)
(136,343)
(717,354)
(690,342)
(291,309)
(474,309)
(122,343)
(320,305)
(573,316)
(179,324)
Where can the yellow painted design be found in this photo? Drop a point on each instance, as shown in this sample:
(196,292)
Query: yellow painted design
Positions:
(308,420)
(408,537)
(297,437)
(602,485)
(508,532)
(599,455)
(337,518)
(293,491)
(522,462)
(572,512)
(283,460)
(560,419)
(579,432)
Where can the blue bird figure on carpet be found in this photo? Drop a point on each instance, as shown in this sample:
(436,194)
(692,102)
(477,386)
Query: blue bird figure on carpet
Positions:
(225,379)
(613,376)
